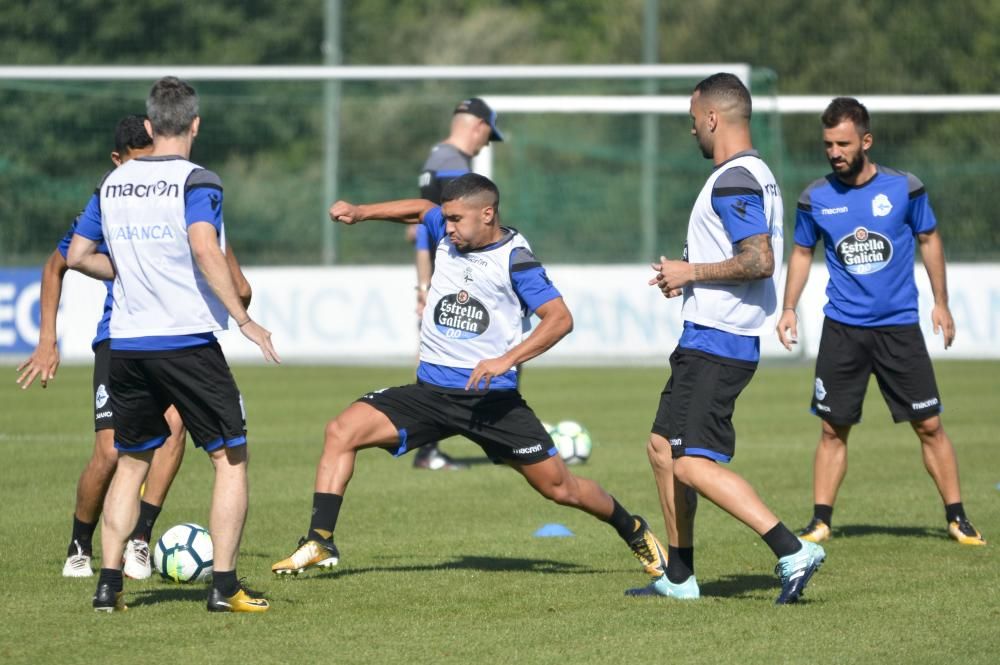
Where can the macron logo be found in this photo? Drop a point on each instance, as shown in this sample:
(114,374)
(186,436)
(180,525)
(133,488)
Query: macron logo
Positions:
(833,211)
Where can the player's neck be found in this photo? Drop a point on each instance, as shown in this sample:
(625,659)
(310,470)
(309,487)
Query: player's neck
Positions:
(463,143)
(164,146)
(730,144)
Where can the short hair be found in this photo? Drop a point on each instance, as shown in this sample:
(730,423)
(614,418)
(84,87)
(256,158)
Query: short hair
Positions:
(131,134)
(470,184)
(728,88)
(172,106)
(842,109)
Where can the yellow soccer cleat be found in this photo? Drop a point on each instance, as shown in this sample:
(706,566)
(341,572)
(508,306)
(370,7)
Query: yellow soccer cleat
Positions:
(241,601)
(816,531)
(648,550)
(963,531)
(310,554)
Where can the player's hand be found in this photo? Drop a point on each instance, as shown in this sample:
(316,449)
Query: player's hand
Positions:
(486,370)
(788,329)
(262,338)
(941,318)
(670,289)
(344,212)
(41,365)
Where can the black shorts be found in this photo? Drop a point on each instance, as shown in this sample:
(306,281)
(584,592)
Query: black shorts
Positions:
(896,355)
(102,382)
(499,421)
(197,381)
(696,405)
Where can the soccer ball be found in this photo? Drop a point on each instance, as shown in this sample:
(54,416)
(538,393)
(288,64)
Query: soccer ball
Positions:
(572,441)
(184,554)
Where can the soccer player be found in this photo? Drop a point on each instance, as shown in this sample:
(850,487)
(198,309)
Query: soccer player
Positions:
(470,345)
(161,217)
(868,216)
(728,278)
(473,127)
(131,141)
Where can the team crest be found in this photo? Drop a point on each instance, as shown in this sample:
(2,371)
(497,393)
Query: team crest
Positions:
(101,397)
(881,205)
(467,275)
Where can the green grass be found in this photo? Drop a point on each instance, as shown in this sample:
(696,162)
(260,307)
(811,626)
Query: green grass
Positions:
(443,567)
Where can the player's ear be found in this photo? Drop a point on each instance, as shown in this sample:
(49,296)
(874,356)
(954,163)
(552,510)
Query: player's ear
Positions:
(195,124)
(149,127)
(116,158)
(866,141)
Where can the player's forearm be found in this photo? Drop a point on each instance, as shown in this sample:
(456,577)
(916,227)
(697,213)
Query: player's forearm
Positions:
(52,281)
(424,269)
(407,211)
(214,267)
(932,252)
(243,289)
(553,327)
(754,260)
(98,266)
(799,264)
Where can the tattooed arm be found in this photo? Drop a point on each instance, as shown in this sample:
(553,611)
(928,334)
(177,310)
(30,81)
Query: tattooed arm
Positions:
(754,259)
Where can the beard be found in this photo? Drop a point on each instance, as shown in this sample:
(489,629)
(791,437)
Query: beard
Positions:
(852,168)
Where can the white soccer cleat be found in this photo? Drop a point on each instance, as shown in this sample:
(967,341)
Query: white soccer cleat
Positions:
(136,560)
(77,565)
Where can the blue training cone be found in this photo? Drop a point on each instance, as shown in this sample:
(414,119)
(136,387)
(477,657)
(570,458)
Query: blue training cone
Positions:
(553,531)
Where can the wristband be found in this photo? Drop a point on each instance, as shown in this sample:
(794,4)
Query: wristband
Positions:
(423,287)
(244,323)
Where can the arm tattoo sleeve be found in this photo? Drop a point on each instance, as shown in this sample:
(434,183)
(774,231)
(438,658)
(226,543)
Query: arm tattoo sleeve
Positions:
(754,259)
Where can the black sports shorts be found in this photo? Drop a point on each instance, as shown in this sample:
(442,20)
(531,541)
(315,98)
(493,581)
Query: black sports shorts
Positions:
(196,380)
(102,383)
(696,406)
(896,355)
(499,421)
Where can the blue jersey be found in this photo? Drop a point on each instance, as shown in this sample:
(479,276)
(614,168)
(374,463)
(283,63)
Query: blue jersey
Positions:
(868,238)
(103,331)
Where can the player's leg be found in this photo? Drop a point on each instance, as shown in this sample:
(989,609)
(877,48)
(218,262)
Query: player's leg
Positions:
(906,378)
(96,476)
(163,468)
(229,505)
(90,492)
(843,365)
(360,426)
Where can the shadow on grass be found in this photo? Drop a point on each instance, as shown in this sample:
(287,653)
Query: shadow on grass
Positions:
(186,593)
(487,564)
(851,530)
(734,586)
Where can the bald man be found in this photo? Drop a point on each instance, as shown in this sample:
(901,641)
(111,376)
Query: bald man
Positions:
(728,278)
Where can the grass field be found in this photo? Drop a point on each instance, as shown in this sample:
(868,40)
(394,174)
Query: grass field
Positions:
(444,568)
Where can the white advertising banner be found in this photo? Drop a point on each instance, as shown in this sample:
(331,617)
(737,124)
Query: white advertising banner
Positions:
(366,314)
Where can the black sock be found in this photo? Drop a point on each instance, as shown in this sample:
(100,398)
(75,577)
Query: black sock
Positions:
(326,509)
(111,577)
(954,511)
(823,512)
(623,521)
(144,525)
(225,582)
(83,533)
(781,541)
(680,563)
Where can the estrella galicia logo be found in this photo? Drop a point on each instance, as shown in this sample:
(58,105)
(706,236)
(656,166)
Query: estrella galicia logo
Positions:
(881,206)
(101,397)
(461,316)
(820,390)
(863,251)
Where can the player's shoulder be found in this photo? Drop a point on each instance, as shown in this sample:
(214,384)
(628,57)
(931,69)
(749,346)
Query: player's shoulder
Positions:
(914,186)
(521,256)
(805,198)
(445,156)
(735,180)
(202,177)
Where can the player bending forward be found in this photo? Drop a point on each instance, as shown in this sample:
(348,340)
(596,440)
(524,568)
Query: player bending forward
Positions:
(470,345)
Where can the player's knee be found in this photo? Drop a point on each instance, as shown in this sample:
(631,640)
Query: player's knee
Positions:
(338,436)
(659,454)
(833,435)
(929,430)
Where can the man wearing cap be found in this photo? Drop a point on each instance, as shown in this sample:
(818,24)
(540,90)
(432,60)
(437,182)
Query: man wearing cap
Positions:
(473,126)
